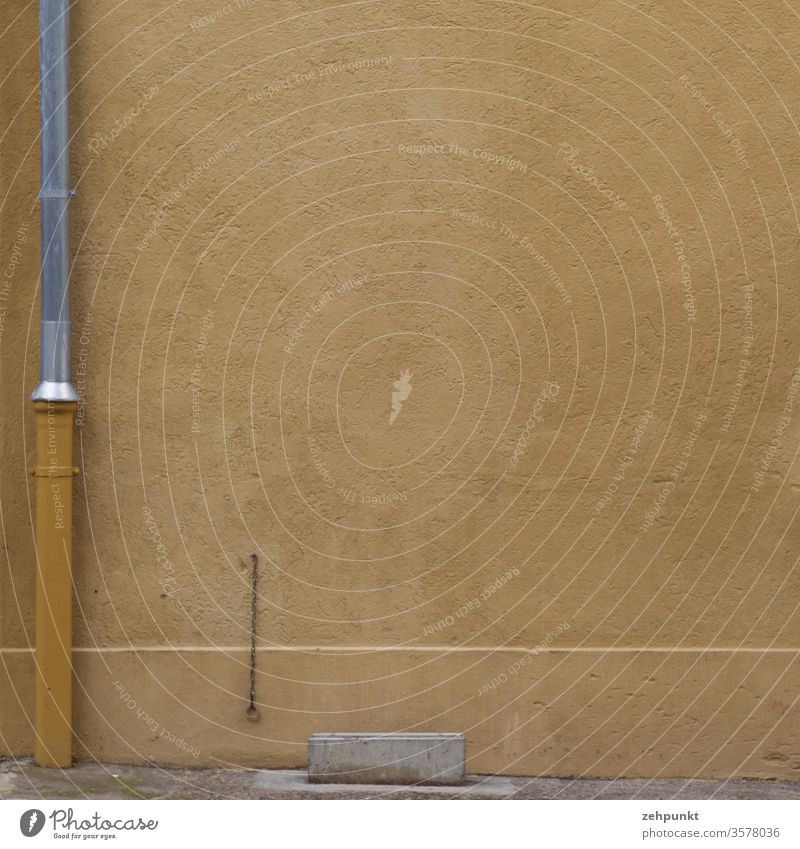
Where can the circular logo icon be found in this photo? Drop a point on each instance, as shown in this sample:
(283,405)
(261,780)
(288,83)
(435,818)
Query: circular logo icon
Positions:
(31,822)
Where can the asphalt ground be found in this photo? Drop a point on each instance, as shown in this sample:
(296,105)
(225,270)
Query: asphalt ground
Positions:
(21,779)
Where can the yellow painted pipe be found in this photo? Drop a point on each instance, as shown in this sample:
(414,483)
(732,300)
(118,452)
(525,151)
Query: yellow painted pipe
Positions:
(54,472)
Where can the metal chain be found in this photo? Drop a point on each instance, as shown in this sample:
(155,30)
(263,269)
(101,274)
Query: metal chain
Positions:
(252,710)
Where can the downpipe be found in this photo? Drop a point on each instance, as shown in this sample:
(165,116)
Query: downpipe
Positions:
(54,403)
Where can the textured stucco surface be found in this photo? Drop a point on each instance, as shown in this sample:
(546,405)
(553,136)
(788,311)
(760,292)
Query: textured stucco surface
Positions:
(282,207)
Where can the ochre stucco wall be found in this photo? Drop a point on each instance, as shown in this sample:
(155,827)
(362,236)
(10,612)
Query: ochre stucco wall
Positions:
(575,226)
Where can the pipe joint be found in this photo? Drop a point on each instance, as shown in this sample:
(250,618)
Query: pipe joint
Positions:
(55,471)
(55,392)
(61,194)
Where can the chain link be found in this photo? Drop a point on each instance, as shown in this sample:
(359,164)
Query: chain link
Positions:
(252,710)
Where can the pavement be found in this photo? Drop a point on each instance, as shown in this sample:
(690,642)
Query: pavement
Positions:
(21,779)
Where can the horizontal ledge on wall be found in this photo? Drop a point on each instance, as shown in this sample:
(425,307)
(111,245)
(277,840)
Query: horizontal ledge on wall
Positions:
(440,649)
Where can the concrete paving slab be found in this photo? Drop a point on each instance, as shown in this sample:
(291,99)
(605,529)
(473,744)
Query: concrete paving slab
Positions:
(395,758)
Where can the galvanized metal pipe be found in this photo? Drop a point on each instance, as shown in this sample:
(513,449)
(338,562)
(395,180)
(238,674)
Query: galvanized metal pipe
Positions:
(54,403)
(54,371)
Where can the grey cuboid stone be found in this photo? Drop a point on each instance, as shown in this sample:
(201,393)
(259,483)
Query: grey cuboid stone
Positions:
(386,758)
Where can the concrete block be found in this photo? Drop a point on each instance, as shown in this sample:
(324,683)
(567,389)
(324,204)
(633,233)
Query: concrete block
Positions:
(386,758)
